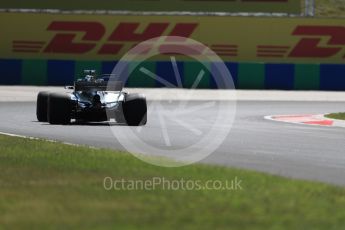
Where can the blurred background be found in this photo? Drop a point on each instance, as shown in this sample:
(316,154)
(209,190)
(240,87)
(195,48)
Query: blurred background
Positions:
(282,44)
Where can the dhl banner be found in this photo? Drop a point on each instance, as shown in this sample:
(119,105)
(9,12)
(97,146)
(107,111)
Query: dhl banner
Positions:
(279,6)
(109,37)
(260,53)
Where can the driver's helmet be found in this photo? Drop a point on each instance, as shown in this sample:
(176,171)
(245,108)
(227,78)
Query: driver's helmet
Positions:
(89,78)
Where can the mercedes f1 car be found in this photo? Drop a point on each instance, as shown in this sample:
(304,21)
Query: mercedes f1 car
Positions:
(93,99)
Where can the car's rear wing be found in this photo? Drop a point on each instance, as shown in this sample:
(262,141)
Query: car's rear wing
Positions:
(98,86)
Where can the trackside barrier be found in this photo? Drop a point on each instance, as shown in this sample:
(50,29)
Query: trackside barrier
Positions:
(245,75)
(261,53)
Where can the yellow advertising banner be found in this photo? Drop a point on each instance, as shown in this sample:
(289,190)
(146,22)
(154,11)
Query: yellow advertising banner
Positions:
(109,37)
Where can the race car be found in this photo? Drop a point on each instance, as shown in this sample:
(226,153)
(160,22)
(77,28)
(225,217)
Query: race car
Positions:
(93,99)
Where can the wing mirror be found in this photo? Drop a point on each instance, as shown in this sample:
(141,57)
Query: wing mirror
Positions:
(69,87)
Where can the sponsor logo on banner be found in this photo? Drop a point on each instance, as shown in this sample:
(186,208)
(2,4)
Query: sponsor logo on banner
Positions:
(315,42)
(66,32)
(237,39)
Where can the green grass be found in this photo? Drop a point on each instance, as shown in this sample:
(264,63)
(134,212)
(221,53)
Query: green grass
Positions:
(46,185)
(330,8)
(324,8)
(339,116)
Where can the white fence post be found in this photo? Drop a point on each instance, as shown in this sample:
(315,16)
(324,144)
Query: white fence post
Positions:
(309,8)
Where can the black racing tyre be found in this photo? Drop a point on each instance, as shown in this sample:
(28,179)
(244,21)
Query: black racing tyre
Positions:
(42,106)
(59,108)
(135,110)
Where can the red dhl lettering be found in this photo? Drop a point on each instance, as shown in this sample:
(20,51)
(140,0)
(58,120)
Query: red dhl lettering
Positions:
(65,39)
(309,46)
(64,42)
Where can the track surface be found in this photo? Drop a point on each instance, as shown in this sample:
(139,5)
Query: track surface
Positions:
(298,151)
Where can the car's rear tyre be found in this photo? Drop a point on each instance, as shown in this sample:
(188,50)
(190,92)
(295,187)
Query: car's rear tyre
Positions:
(59,108)
(42,106)
(135,110)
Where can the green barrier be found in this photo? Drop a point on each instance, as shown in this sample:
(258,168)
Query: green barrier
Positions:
(245,75)
(138,79)
(307,77)
(191,71)
(281,6)
(34,72)
(251,76)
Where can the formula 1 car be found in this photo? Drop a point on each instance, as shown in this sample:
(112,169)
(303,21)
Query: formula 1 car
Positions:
(94,99)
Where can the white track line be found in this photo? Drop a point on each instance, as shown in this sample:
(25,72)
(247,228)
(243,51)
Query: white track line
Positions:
(47,140)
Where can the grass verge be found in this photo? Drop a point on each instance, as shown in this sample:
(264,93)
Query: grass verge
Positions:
(330,8)
(323,8)
(47,185)
(339,116)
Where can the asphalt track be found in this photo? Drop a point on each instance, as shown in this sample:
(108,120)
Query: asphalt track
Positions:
(291,150)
